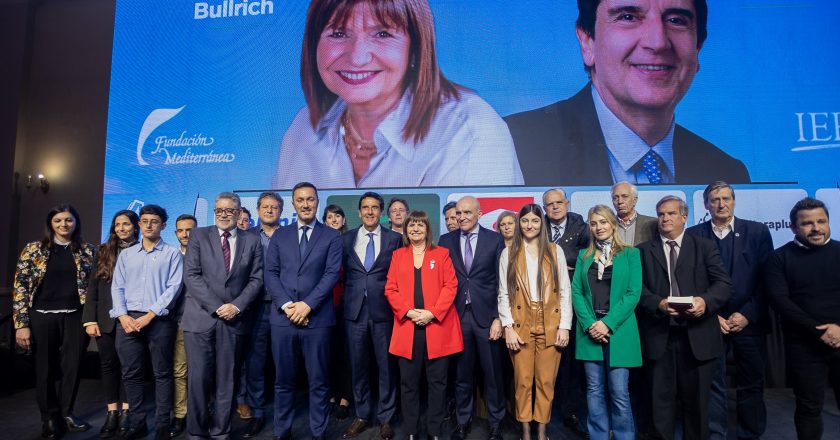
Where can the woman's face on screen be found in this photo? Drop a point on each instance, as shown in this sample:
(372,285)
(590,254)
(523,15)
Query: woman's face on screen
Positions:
(364,61)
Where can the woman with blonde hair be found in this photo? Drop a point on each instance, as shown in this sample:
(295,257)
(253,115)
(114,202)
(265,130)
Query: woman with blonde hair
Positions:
(536,311)
(605,290)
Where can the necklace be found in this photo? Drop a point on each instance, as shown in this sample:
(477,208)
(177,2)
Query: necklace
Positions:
(357,146)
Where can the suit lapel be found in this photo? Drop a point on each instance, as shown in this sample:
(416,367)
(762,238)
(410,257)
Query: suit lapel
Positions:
(659,253)
(216,246)
(483,244)
(594,158)
(240,245)
(686,252)
(458,258)
(313,238)
(353,255)
(738,238)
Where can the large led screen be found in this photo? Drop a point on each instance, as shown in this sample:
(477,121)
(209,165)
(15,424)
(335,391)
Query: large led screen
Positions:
(493,98)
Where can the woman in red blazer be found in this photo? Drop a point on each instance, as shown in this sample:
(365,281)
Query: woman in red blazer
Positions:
(421,288)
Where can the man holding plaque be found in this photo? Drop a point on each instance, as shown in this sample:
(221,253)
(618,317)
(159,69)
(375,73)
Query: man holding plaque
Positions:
(684,285)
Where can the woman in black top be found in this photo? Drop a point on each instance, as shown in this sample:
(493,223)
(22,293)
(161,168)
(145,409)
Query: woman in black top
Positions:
(99,324)
(49,292)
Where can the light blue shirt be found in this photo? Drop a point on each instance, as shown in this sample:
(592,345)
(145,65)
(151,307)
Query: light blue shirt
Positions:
(468,144)
(146,281)
(473,241)
(626,148)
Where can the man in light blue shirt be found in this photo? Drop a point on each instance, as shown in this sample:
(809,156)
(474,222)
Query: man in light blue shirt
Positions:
(147,279)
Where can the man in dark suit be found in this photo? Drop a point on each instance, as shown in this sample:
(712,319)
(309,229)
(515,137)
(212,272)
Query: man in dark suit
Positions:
(633,228)
(475,252)
(223,278)
(621,125)
(257,350)
(569,231)
(368,316)
(301,269)
(682,347)
(744,245)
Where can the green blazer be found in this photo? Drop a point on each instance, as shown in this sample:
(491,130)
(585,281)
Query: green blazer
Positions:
(626,287)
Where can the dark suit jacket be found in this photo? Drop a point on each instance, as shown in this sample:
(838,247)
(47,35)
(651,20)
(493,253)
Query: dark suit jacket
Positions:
(752,245)
(575,237)
(645,229)
(357,280)
(207,285)
(311,278)
(483,278)
(563,144)
(699,273)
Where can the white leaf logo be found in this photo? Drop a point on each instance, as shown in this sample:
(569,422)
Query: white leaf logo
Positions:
(155,119)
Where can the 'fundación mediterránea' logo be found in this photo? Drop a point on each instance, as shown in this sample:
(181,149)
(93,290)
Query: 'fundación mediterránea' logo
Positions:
(183,149)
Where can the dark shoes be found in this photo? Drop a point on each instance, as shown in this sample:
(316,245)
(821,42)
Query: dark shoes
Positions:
(284,437)
(573,423)
(461,431)
(357,427)
(254,427)
(123,424)
(495,433)
(75,424)
(342,412)
(177,426)
(162,433)
(112,423)
(386,432)
(51,430)
(134,433)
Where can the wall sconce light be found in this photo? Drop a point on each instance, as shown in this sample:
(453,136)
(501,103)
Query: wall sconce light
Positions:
(43,183)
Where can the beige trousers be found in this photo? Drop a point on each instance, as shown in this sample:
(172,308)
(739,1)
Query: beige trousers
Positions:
(535,371)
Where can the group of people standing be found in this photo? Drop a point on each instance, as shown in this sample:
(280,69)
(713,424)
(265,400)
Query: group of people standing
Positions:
(608,293)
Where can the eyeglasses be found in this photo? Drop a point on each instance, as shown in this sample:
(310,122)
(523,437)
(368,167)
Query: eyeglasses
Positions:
(226,211)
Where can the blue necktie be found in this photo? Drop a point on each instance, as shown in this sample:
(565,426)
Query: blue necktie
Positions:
(304,240)
(369,253)
(654,167)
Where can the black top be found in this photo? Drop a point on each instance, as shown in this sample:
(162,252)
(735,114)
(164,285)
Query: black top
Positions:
(418,294)
(727,250)
(600,288)
(803,285)
(58,290)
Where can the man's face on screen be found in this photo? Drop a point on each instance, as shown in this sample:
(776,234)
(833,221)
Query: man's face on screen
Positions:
(643,55)
(364,61)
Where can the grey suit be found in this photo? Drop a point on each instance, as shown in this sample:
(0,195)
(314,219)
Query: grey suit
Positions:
(645,229)
(212,343)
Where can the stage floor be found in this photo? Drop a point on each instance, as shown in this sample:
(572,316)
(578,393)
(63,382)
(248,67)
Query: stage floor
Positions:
(19,418)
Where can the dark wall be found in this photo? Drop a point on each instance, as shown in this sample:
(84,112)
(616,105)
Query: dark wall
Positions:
(58,54)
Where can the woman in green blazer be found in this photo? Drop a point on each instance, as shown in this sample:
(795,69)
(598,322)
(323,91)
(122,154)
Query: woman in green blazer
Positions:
(605,290)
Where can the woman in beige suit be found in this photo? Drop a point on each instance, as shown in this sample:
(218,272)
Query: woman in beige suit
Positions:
(536,311)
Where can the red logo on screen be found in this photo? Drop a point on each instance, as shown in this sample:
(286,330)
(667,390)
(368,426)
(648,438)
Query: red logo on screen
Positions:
(491,207)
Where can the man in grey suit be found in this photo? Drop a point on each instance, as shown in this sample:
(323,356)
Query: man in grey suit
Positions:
(633,228)
(223,278)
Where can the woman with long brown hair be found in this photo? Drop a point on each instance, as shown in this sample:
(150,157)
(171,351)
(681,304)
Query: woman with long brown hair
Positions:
(125,230)
(536,311)
(49,291)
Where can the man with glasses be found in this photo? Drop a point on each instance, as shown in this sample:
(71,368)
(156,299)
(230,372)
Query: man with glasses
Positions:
(146,282)
(252,389)
(223,272)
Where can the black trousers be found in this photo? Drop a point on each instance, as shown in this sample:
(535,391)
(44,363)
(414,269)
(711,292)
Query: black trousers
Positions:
(59,341)
(411,371)
(812,366)
(159,339)
(677,377)
(571,382)
(109,362)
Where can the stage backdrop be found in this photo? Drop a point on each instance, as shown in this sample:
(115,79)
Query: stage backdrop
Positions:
(207,97)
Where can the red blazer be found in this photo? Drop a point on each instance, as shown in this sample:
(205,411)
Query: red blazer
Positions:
(443,334)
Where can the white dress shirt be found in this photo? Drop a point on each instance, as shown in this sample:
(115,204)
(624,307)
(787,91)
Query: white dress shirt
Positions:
(231,240)
(667,248)
(362,240)
(723,231)
(563,284)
